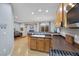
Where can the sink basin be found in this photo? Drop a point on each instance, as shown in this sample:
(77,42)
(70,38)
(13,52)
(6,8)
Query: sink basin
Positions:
(38,35)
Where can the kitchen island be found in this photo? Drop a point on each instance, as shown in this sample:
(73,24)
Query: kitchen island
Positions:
(53,43)
(40,41)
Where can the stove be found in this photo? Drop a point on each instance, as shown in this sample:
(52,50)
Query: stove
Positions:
(56,52)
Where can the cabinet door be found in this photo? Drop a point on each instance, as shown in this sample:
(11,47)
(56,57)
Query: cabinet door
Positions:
(40,44)
(47,45)
(70,39)
(33,43)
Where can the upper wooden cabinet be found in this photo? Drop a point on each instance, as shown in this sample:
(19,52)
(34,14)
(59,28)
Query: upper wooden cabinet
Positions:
(59,16)
(63,15)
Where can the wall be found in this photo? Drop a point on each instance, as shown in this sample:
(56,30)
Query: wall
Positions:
(22,25)
(17,26)
(35,25)
(73,32)
(6,29)
(52,26)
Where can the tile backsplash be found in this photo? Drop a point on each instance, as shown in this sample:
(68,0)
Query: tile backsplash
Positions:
(72,32)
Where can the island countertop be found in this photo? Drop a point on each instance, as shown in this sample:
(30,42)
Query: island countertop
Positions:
(42,34)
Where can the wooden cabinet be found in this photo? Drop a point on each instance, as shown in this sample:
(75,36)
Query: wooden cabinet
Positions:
(61,16)
(45,28)
(47,45)
(33,43)
(70,39)
(67,16)
(40,44)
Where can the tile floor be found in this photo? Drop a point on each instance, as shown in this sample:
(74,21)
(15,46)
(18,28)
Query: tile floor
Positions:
(21,48)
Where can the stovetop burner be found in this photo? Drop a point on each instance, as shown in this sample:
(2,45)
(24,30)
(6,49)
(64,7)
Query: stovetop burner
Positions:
(56,52)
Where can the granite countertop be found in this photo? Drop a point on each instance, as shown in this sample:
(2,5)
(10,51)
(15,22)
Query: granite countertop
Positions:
(58,42)
(39,33)
(43,34)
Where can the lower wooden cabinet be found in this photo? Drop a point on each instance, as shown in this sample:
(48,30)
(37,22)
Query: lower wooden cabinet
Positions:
(33,43)
(40,44)
(47,45)
(69,39)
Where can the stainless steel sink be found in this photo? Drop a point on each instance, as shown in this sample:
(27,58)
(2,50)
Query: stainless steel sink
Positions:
(38,35)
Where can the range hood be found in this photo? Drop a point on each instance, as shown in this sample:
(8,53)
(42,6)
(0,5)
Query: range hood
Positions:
(73,17)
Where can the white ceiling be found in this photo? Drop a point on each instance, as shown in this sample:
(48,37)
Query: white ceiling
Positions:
(23,11)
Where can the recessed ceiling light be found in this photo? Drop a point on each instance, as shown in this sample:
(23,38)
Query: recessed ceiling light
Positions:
(32,13)
(60,9)
(46,11)
(39,10)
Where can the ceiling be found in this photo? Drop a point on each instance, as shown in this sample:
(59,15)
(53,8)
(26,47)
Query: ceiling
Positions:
(34,12)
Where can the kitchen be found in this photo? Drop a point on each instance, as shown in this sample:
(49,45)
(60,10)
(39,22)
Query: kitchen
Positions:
(48,36)
(49,29)
(63,42)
